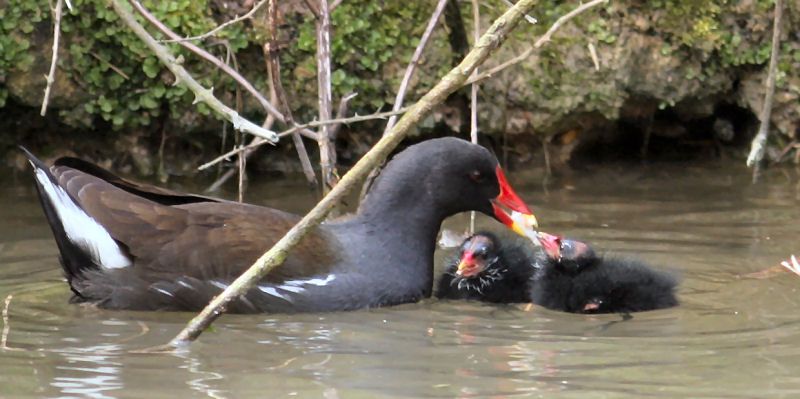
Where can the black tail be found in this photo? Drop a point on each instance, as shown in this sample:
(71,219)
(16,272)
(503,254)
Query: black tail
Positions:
(74,257)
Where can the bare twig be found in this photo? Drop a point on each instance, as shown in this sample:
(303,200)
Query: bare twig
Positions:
(401,91)
(312,9)
(758,145)
(277,254)
(201,93)
(539,43)
(274,72)
(531,20)
(220,27)
(268,107)
(327,148)
(352,119)
(341,111)
(593,55)
(51,76)
(473,113)
(111,66)
(412,65)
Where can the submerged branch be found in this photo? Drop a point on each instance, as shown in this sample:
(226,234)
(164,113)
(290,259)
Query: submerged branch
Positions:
(275,256)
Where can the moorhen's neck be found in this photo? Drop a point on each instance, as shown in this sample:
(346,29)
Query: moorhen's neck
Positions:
(401,201)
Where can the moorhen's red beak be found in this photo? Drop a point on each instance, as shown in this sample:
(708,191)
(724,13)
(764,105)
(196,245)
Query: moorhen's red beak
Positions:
(551,245)
(520,218)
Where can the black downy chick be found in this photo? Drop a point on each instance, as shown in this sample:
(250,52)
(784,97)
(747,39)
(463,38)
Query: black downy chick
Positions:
(488,269)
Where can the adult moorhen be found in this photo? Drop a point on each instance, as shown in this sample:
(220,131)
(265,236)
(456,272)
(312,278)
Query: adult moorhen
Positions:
(125,245)
(566,276)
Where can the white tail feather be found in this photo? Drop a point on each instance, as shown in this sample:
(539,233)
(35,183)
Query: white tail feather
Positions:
(82,229)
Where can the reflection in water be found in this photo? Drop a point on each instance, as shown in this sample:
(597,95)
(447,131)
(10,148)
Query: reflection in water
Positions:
(89,373)
(735,335)
(200,380)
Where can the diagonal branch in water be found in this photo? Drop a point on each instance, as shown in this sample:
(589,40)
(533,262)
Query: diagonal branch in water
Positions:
(275,256)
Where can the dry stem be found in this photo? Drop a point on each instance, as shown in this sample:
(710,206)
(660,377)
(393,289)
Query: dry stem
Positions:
(274,72)
(201,93)
(221,26)
(758,145)
(412,65)
(338,121)
(539,43)
(454,79)
(327,149)
(268,107)
(51,76)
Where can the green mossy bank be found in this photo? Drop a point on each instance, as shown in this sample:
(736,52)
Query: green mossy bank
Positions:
(671,68)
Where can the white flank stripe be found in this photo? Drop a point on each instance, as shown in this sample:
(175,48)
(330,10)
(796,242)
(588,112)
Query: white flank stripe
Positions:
(219,284)
(292,288)
(272,291)
(82,230)
(314,281)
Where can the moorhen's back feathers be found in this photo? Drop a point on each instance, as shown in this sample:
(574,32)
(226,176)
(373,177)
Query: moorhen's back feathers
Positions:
(132,246)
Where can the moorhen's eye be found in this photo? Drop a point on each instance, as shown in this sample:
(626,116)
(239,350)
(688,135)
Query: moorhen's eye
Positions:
(476,176)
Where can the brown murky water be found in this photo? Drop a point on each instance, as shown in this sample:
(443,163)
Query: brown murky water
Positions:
(733,337)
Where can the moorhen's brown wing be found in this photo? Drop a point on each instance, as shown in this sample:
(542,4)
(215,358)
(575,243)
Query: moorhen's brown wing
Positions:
(205,240)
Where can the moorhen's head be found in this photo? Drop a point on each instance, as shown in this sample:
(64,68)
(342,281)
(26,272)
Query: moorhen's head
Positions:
(453,176)
(573,278)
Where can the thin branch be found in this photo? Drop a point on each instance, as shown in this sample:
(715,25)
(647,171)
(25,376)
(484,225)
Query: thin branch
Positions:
(341,111)
(539,43)
(111,66)
(531,20)
(268,107)
(352,119)
(473,117)
(274,72)
(312,9)
(181,76)
(327,148)
(51,76)
(451,82)
(412,65)
(401,91)
(221,27)
(758,145)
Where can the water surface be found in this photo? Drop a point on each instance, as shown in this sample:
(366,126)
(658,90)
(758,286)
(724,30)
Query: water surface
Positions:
(734,336)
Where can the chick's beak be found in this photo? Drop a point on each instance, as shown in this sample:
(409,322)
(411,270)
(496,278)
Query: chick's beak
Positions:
(467,266)
(510,210)
(551,244)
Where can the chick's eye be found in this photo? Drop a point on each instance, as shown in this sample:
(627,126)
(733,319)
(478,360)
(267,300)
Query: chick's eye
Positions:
(476,176)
